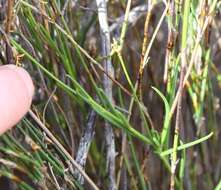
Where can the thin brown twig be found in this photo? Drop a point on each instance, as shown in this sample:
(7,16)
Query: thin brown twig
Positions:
(144,48)
(52,137)
(9,16)
(178,123)
(9,52)
(190,66)
(54,178)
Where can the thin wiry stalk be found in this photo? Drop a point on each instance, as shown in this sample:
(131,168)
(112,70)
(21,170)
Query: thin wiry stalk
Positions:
(9,53)
(54,178)
(106,50)
(174,160)
(180,92)
(190,66)
(51,136)
(171,39)
(144,47)
(122,171)
(146,55)
(9,15)
(125,24)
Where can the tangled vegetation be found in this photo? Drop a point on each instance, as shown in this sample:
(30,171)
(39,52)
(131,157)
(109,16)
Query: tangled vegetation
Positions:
(126,94)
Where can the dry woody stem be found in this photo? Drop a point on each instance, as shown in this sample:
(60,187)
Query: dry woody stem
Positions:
(107,83)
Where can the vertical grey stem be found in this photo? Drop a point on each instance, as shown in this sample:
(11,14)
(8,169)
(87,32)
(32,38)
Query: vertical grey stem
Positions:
(84,145)
(106,49)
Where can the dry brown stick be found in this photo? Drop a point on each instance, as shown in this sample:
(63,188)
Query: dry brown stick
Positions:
(9,52)
(9,16)
(144,48)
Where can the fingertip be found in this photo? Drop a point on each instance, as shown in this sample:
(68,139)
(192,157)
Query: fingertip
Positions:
(25,77)
(16,94)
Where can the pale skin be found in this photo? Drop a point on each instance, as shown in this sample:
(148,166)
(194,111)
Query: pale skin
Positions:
(16,92)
